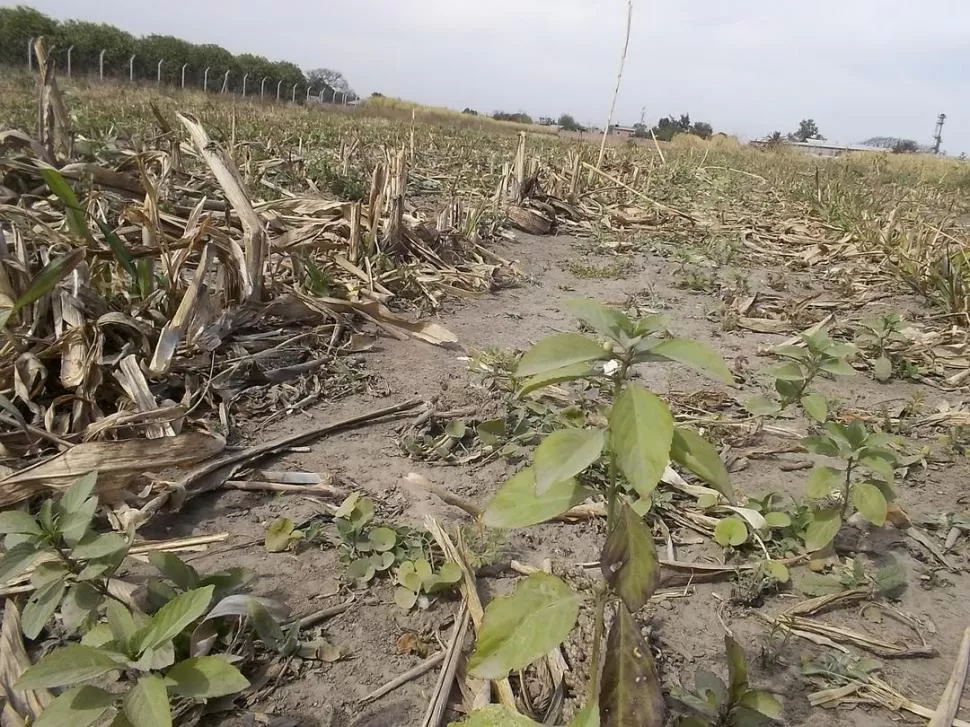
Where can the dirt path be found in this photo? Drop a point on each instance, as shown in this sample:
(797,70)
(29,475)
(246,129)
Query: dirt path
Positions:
(686,630)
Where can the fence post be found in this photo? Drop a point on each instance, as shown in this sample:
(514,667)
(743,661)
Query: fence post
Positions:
(262,86)
(131,69)
(30,54)
(308,95)
(245,76)
(225,83)
(184,66)
(205,81)
(158,79)
(278,87)
(293,96)
(71,48)
(101,65)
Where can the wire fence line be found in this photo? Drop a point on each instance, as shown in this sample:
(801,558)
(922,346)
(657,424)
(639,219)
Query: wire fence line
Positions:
(209,79)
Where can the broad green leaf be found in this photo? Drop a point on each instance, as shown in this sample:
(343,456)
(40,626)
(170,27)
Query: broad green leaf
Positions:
(74,526)
(491,432)
(883,464)
(79,492)
(694,354)
(761,406)
(816,407)
(175,569)
(564,454)
(121,623)
(731,531)
(382,539)
(94,545)
(588,716)
(146,705)
(737,668)
(268,628)
(837,367)
(73,211)
(692,451)
(629,560)
(814,584)
(890,576)
(173,618)
(494,715)
(882,369)
(822,481)
(559,350)
(517,505)
(795,353)
(869,501)
(47,279)
(641,432)
(762,702)
(557,376)
(630,690)
(823,445)
(776,519)
(405,598)
(80,606)
(66,666)
(606,321)
(450,573)
(777,570)
(278,535)
(16,560)
(789,371)
(521,627)
(77,707)
(822,529)
(456,428)
(205,677)
(40,608)
(17,521)
(361,570)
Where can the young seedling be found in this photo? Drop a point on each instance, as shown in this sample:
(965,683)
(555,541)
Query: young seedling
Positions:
(736,704)
(863,482)
(875,336)
(157,650)
(417,580)
(802,365)
(637,437)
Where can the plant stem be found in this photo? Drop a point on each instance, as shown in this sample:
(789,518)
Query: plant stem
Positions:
(599,627)
(612,494)
(75,569)
(847,486)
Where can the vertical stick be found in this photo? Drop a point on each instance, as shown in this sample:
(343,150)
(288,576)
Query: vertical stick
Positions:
(616,91)
(950,702)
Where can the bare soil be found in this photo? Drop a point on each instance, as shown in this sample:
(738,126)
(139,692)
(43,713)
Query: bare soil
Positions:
(687,632)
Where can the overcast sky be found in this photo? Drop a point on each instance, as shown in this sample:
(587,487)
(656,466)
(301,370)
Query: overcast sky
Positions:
(860,68)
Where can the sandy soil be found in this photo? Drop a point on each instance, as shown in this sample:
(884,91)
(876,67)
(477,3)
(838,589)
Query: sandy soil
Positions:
(686,631)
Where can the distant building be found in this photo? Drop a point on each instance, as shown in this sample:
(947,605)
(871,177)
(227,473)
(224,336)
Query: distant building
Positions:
(819,147)
(618,130)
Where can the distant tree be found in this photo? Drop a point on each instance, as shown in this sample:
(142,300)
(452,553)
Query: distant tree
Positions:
(905,146)
(519,117)
(702,129)
(775,137)
(668,127)
(640,131)
(17,26)
(334,80)
(568,123)
(470,111)
(807,129)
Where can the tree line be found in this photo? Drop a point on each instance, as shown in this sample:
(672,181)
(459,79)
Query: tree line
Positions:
(21,23)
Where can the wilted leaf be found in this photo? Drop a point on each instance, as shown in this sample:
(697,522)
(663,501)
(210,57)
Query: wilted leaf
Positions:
(523,626)
(77,707)
(692,451)
(890,576)
(882,369)
(146,705)
(731,531)
(641,432)
(559,350)
(47,279)
(813,584)
(629,560)
(205,677)
(564,454)
(694,354)
(630,691)
(822,529)
(517,505)
(762,702)
(66,666)
(761,406)
(737,668)
(870,502)
(173,618)
(279,534)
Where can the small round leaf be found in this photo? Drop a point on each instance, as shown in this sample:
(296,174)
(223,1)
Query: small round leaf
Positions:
(730,531)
